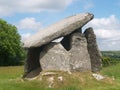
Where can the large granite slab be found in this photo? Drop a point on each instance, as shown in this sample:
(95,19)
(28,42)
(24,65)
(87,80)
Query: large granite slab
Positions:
(59,29)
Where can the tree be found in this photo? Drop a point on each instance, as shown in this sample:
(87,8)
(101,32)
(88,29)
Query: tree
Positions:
(11,51)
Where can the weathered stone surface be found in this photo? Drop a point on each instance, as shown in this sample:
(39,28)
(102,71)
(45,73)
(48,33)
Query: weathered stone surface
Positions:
(54,57)
(79,58)
(33,73)
(32,62)
(93,50)
(62,28)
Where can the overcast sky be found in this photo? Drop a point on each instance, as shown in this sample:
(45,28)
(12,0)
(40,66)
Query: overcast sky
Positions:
(29,16)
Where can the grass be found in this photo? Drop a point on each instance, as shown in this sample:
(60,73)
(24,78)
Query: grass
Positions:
(10,79)
(112,71)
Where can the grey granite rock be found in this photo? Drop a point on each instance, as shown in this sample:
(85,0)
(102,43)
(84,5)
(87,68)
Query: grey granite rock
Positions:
(93,50)
(59,29)
(34,73)
(54,57)
(32,62)
(79,58)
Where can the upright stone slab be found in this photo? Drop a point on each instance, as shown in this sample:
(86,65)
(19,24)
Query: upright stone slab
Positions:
(54,57)
(32,65)
(93,50)
(79,58)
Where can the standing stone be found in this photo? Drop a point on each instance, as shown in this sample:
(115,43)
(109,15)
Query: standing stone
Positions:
(93,50)
(54,57)
(32,65)
(79,58)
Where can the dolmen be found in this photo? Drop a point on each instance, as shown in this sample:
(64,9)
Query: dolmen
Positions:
(77,51)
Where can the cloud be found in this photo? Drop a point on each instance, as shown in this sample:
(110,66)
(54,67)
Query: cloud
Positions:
(88,5)
(29,24)
(106,23)
(107,31)
(22,6)
(85,4)
(25,36)
(108,34)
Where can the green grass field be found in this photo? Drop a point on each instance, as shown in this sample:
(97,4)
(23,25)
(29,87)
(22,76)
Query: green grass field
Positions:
(10,79)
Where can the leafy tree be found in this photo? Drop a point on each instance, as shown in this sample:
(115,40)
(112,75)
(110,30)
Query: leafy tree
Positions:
(11,51)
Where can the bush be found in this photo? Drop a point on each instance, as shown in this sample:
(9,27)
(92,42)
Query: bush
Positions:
(107,61)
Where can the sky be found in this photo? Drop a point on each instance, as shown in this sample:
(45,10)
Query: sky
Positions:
(30,16)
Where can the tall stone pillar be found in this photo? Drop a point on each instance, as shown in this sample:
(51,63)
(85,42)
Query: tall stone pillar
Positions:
(93,50)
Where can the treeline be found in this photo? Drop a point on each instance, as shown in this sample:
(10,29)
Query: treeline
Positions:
(111,54)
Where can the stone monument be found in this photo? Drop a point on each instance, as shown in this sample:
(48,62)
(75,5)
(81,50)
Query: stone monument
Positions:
(77,51)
